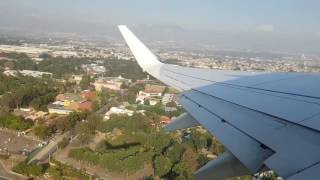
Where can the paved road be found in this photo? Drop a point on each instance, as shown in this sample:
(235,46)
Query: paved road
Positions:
(8,175)
(49,148)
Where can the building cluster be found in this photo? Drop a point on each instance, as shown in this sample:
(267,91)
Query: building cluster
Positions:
(93,69)
(243,63)
(31,51)
(113,83)
(152,94)
(73,49)
(31,114)
(76,78)
(70,102)
(37,74)
(156,94)
(205,59)
(121,110)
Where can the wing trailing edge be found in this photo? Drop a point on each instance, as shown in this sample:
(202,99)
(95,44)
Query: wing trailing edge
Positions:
(183,121)
(224,166)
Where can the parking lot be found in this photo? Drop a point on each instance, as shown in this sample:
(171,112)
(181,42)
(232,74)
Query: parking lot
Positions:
(13,142)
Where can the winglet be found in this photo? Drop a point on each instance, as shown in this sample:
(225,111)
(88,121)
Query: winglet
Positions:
(146,59)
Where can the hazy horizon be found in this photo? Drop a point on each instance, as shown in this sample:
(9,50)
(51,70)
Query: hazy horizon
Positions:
(288,25)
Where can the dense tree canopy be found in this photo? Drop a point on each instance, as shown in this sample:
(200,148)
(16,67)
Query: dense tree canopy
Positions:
(42,131)
(85,82)
(162,165)
(60,66)
(14,122)
(27,91)
(32,170)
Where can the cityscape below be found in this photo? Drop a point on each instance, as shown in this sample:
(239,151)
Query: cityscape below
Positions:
(217,89)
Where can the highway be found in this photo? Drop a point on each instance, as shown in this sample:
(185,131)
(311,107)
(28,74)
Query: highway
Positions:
(49,148)
(7,174)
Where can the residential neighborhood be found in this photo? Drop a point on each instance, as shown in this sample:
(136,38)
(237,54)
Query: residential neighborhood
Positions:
(70,102)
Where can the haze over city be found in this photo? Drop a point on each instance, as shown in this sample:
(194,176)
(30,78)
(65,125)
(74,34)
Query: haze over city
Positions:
(279,26)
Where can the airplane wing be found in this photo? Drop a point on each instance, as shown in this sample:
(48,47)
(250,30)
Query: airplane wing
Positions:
(265,120)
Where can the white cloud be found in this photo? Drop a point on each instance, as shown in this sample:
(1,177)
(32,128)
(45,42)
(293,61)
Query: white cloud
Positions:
(265,28)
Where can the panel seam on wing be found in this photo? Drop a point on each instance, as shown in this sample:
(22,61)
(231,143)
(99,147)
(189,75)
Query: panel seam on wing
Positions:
(252,88)
(285,120)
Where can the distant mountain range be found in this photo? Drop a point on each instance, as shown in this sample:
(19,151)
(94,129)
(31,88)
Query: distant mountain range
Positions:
(171,34)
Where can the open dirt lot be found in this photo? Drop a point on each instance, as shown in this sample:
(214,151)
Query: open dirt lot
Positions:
(13,143)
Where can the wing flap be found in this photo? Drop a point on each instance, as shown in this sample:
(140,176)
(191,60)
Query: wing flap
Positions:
(226,165)
(182,122)
(309,173)
(274,105)
(246,149)
(278,135)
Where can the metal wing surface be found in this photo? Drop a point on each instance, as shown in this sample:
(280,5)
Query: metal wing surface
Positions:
(266,120)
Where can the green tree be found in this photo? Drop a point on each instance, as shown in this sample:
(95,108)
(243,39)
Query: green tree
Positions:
(85,82)
(14,122)
(84,132)
(217,147)
(42,131)
(146,102)
(64,124)
(32,170)
(162,165)
(199,140)
(171,104)
(202,160)
(25,91)
(124,86)
(45,56)
(95,105)
(55,173)
(175,152)
(94,122)
(104,97)
(86,129)
(7,101)
(132,92)
(182,171)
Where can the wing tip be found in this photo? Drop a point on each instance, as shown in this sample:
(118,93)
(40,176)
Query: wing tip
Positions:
(121,26)
(145,58)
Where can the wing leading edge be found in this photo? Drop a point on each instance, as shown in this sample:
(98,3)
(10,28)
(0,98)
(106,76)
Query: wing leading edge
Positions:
(262,118)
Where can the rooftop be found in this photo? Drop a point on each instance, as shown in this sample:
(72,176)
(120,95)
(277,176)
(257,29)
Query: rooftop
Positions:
(154,89)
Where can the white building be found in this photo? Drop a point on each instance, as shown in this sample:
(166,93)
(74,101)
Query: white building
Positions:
(58,109)
(167,97)
(152,93)
(76,78)
(113,83)
(118,110)
(31,51)
(65,54)
(10,73)
(93,68)
(34,73)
